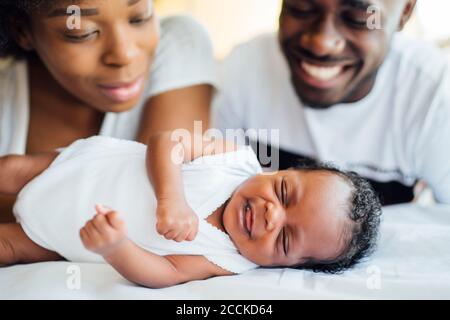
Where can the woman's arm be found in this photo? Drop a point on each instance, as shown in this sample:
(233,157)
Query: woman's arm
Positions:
(17,170)
(176,109)
(105,234)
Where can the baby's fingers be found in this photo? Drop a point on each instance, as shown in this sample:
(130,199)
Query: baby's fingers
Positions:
(163,226)
(101,224)
(171,234)
(89,235)
(84,236)
(115,221)
(192,235)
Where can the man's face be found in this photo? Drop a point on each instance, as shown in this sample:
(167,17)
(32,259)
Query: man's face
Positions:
(332,49)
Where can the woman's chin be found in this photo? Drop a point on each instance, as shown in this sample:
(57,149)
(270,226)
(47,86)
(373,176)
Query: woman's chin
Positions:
(107,106)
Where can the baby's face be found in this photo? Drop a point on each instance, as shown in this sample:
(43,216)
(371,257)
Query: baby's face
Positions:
(288,218)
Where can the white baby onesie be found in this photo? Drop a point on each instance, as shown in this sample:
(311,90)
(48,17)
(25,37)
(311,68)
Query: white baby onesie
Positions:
(54,206)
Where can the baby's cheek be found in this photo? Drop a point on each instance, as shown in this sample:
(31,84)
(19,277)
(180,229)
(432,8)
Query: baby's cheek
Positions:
(260,253)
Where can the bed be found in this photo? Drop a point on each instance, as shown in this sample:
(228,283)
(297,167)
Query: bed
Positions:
(412,262)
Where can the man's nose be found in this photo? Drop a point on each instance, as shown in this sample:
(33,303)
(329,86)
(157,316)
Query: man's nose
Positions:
(323,39)
(273,216)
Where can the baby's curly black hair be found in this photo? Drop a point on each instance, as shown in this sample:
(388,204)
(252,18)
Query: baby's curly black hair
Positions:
(13,13)
(364,212)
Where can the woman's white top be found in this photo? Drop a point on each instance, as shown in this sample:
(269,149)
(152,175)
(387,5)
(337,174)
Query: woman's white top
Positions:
(101,170)
(184,57)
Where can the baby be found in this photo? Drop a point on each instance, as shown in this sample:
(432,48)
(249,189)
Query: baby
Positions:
(215,212)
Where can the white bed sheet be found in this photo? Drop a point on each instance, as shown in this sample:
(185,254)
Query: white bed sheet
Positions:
(412,262)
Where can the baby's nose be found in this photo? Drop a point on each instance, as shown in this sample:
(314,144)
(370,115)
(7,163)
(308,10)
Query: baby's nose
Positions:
(273,216)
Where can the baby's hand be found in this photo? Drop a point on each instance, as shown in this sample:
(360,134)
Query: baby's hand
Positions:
(103,233)
(176,220)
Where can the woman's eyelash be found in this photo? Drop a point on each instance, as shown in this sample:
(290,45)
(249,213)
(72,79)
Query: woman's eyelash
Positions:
(284,238)
(141,20)
(80,37)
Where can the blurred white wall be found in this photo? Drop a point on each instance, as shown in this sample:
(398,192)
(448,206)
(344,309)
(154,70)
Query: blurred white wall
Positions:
(230,22)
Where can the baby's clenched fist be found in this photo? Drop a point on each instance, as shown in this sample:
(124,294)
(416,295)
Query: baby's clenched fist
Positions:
(104,233)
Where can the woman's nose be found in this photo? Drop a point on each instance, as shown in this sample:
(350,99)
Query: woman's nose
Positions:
(323,39)
(273,216)
(121,50)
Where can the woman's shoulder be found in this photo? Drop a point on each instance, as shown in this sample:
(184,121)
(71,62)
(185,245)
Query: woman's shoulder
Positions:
(13,106)
(10,66)
(5,63)
(12,73)
(184,56)
(183,26)
(183,34)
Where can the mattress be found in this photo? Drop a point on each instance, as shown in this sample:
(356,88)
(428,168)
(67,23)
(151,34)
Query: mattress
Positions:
(412,261)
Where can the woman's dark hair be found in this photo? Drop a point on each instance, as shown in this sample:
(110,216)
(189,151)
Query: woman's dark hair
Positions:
(12,14)
(364,212)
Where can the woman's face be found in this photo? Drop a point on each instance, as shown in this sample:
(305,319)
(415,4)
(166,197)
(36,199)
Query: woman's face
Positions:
(105,62)
(289,218)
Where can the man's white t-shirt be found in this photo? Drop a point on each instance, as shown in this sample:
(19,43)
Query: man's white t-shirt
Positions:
(396,135)
(184,57)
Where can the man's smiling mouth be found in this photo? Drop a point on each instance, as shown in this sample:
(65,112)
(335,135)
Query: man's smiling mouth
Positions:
(322,76)
(322,73)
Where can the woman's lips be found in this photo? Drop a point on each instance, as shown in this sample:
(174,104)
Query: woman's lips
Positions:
(122,92)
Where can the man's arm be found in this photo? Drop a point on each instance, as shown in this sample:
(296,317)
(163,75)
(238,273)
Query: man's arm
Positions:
(16,170)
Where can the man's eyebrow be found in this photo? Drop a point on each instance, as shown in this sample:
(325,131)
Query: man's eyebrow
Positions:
(357,4)
(60,12)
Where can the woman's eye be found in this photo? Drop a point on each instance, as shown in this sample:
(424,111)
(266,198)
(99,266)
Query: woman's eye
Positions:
(80,38)
(139,21)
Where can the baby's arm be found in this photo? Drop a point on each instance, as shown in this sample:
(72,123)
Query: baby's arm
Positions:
(16,170)
(166,153)
(154,271)
(105,234)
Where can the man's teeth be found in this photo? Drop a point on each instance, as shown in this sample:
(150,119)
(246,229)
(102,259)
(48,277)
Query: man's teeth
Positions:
(322,73)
